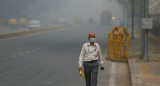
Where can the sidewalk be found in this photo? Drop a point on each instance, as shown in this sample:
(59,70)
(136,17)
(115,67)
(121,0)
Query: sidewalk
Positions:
(144,73)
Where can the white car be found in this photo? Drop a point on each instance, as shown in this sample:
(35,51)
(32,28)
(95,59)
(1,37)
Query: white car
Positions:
(34,24)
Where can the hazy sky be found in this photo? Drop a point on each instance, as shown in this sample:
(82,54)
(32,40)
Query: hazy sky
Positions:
(47,10)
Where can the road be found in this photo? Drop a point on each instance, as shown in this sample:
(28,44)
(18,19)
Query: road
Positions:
(49,58)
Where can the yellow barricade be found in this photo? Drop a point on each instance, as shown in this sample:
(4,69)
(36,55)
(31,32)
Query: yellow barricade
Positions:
(118,43)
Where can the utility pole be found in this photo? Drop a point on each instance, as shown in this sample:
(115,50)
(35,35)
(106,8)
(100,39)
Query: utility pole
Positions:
(123,14)
(132,32)
(146,6)
(126,22)
(144,32)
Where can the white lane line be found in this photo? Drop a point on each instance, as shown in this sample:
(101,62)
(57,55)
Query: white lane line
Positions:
(4,59)
(20,54)
(112,75)
(27,52)
(13,56)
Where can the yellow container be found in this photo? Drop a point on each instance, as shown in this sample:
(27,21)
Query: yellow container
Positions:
(118,43)
(112,36)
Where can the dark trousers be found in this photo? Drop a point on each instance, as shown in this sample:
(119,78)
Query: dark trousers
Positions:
(91,73)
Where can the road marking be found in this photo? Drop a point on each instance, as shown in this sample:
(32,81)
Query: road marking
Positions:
(20,54)
(5,59)
(13,56)
(27,52)
(112,75)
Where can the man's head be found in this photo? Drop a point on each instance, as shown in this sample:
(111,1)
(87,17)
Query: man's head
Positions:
(91,37)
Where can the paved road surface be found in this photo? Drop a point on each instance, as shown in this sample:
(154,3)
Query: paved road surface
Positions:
(49,58)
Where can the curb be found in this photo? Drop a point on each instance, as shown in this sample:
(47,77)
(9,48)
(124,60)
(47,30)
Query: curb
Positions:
(131,73)
(136,77)
(26,32)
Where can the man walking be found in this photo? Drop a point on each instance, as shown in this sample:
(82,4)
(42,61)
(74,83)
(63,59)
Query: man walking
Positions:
(90,58)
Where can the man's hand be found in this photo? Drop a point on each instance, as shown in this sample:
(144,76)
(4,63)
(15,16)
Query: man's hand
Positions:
(102,68)
(79,68)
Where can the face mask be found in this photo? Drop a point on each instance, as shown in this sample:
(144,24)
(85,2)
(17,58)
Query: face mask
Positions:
(92,39)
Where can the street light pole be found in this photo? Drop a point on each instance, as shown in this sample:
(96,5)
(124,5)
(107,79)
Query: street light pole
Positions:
(146,31)
(132,32)
(126,12)
(142,33)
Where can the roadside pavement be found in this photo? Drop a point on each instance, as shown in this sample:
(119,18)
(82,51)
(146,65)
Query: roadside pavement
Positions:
(27,31)
(119,74)
(144,73)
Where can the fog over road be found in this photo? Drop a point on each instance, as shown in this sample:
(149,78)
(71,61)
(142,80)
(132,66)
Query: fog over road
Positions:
(49,58)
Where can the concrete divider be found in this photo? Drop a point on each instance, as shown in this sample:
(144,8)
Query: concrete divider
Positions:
(22,33)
